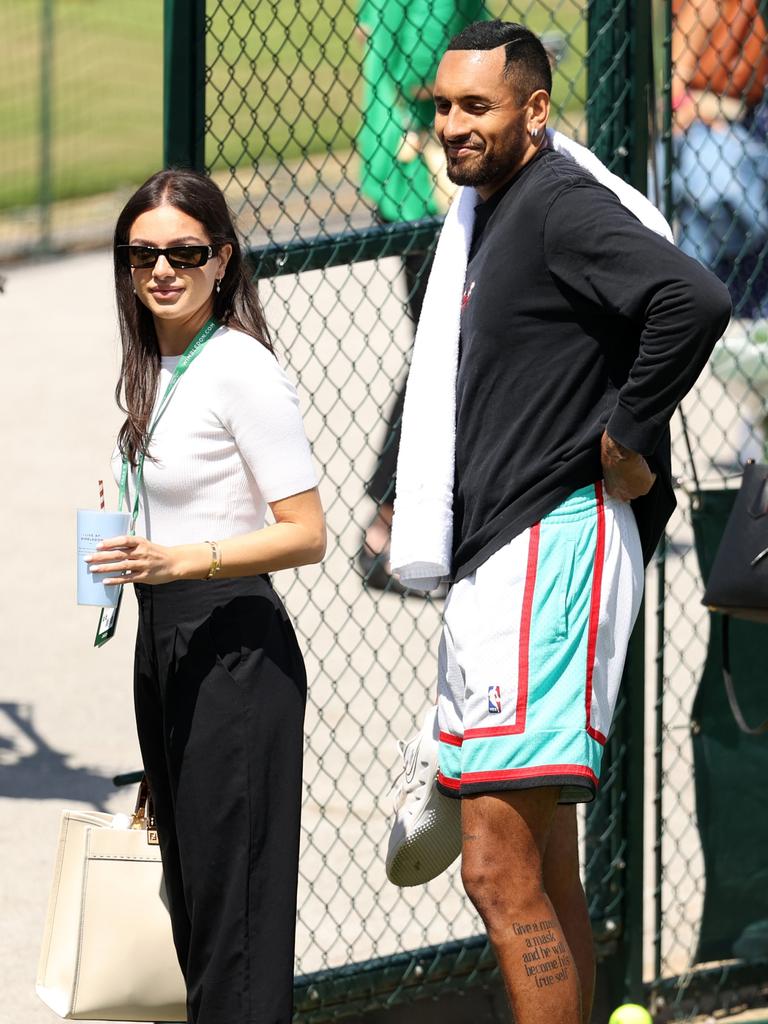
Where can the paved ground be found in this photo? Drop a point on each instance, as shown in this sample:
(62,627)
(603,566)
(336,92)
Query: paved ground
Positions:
(65,710)
(66,722)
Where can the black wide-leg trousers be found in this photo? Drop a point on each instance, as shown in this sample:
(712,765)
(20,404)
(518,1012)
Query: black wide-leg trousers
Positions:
(220,691)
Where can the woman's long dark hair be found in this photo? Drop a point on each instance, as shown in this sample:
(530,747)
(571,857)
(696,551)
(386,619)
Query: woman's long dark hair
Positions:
(236,304)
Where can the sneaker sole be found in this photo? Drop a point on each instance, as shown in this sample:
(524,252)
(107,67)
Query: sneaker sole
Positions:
(429,848)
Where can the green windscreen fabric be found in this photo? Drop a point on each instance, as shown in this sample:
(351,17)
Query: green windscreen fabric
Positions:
(731,771)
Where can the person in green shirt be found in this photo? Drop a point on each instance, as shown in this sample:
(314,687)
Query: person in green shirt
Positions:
(401,175)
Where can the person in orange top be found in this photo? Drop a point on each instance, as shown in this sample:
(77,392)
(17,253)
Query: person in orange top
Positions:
(720,172)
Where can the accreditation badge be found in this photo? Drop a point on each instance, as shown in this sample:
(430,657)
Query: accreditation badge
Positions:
(108,622)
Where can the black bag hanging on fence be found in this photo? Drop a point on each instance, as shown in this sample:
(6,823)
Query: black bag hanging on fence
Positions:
(738,582)
(730,766)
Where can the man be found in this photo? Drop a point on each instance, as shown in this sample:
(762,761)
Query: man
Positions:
(580,331)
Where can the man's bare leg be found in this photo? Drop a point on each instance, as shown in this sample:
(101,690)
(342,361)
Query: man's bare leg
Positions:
(562,883)
(503,848)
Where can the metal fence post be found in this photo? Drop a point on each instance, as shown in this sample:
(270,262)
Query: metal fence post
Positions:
(46,62)
(619,75)
(608,82)
(184,84)
(631,950)
(641,77)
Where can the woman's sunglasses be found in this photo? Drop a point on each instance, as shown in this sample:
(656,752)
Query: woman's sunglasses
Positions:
(181,257)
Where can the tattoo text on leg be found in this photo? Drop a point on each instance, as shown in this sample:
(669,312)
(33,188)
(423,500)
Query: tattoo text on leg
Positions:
(546,958)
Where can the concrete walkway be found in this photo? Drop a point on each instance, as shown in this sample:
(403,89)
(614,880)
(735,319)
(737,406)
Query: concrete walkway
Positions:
(66,720)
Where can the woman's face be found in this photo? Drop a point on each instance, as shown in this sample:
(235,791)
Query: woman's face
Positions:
(169,293)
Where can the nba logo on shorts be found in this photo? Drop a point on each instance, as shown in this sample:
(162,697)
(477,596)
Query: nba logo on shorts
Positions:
(494,700)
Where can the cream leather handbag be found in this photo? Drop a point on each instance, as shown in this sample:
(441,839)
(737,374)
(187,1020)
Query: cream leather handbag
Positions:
(107,949)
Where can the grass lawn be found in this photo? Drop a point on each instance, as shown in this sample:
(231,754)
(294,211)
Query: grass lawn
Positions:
(106,96)
(284,79)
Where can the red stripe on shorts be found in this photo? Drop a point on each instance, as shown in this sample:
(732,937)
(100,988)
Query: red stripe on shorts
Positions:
(448,783)
(450,739)
(523,664)
(530,773)
(594,609)
(523,655)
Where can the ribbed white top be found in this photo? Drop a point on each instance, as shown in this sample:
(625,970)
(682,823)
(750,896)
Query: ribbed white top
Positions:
(230,441)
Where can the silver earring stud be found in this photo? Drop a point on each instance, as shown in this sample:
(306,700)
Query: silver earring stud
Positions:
(534,133)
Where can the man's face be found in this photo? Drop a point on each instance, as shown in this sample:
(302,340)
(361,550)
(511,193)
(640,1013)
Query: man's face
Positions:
(478,119)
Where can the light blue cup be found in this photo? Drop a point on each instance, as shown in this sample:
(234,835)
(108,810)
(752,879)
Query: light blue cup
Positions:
(94,526)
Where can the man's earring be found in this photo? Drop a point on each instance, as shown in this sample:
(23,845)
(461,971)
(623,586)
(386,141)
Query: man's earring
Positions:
(218,285)
(534,133)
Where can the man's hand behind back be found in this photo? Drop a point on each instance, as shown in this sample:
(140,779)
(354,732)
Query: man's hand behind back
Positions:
(626,473)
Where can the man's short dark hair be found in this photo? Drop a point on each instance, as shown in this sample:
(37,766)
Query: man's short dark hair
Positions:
(526,65)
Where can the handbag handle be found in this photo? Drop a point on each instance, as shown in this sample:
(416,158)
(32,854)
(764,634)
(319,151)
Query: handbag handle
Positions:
(144,812)
(730,692)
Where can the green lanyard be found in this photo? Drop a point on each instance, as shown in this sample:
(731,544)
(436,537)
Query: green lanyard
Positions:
(191,352)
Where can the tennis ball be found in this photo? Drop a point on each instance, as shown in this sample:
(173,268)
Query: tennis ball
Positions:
(630,1013)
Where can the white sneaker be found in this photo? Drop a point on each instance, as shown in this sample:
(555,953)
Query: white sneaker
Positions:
(426,834)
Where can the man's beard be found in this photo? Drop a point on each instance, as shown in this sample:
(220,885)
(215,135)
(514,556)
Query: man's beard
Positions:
(483,171)
(488,169)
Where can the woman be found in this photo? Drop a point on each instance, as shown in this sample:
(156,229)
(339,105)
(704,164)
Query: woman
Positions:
(213,435)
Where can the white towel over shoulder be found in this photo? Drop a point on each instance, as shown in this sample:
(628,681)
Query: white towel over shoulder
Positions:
(422,528)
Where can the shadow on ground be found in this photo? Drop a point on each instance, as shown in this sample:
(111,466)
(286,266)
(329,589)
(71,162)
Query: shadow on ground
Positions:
(42,772)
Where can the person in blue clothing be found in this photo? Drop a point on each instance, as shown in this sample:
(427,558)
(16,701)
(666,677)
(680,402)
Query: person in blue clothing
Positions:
(720,155)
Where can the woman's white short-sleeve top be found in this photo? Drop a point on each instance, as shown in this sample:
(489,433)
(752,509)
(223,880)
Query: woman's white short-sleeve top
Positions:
(230,441)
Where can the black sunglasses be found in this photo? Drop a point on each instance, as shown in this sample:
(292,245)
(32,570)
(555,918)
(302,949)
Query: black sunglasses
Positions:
(181,257)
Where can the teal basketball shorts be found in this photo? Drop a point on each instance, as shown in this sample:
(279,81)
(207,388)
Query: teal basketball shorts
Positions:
(533,649)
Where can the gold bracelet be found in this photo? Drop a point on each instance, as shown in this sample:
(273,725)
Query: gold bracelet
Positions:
(215,560)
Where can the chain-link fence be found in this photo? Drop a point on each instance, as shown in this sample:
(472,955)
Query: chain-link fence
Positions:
(711,936)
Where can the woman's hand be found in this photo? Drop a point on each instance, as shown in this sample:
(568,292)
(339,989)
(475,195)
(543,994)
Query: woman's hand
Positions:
(297,537)
(133,560)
